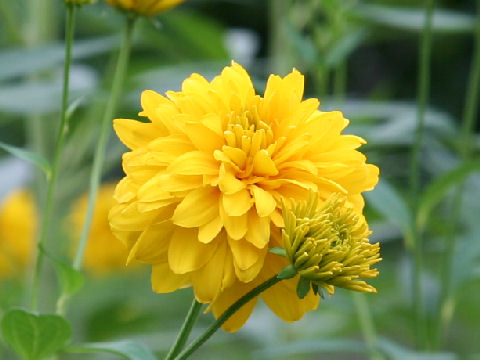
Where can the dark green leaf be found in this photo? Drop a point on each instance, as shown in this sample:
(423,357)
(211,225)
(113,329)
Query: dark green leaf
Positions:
(129,349)
(31,157)
(33,336)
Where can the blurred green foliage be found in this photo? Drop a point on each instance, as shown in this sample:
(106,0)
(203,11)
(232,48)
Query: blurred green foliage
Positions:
(358,56)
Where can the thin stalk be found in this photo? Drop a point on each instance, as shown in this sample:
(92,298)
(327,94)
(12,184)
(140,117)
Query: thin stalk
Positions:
(62,131)
(423,87)
(118,79)
(367,325)
(447,296)
(185,331)
(199,341)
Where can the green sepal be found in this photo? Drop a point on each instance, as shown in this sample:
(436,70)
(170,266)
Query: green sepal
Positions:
(287,272)
(278,250)
(315,288)
(303,287)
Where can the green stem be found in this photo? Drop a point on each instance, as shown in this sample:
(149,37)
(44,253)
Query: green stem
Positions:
(367,325)
(118,79)
(447,297)
(62,131)
(185,330)
(10,21)
(423,87)
(225,316)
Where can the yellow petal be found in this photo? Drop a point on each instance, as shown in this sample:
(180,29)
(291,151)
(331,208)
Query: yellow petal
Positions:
(135,134)
(203,138)
(228,182)
(227,298)
(207,281)
(165,281)
(152,245)
(186,253)
(263,164)
(264,201)
(238,203)
(198,208)
(258,232)
(236,226)
(209,231)
(245,255)
(194,163)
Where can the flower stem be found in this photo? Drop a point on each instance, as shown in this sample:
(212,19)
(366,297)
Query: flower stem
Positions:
(118,78)
(367,325)
(52,176)
(423,86)
(185,330)
(447,298)
(225,316)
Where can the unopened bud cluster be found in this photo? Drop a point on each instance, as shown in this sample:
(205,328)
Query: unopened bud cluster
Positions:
(328,245)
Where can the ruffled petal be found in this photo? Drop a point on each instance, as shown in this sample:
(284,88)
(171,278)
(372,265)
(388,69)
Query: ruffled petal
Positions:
(165,281)
(198,208)
(186,253)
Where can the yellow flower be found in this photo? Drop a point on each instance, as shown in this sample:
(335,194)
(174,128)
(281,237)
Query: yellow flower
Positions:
(328,246)
(145,7)
(104,252)
(18,224)
(201,199)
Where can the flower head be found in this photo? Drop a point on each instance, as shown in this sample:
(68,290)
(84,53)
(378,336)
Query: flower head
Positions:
(328,246)
(104,252)
(206,174)
(145,7)
(18,222)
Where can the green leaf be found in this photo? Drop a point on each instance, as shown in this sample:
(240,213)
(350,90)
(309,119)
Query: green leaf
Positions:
(278,250)
(129,349)
(20,62)
(412,19)
(29,156)
(388,202)
(437,190)
(33,336)
(303,287)
(287,272)
(345,47)
(71,280)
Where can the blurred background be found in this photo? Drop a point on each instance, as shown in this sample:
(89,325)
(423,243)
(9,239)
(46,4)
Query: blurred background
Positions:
(360,57)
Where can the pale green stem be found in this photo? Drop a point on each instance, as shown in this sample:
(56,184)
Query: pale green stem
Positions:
(447,296)
(225,316)
(185,331)
(423,89)
(118,79)
(367,325)
(62,131)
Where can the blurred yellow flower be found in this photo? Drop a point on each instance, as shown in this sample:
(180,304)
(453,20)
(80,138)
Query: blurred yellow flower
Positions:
(201,199)
(104,252)
(145,7)
(18,224)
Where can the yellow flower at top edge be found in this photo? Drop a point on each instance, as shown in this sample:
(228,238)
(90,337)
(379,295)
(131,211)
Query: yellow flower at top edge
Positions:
(104,253)
(18,224)
(206,174)
(145,7)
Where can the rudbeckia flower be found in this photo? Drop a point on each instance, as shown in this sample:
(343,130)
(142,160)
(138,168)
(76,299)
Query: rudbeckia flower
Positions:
(18,224)
(104,253)
(145,7)
(207,172)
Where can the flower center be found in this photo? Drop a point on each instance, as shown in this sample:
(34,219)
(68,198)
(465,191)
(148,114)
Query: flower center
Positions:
(249,144)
